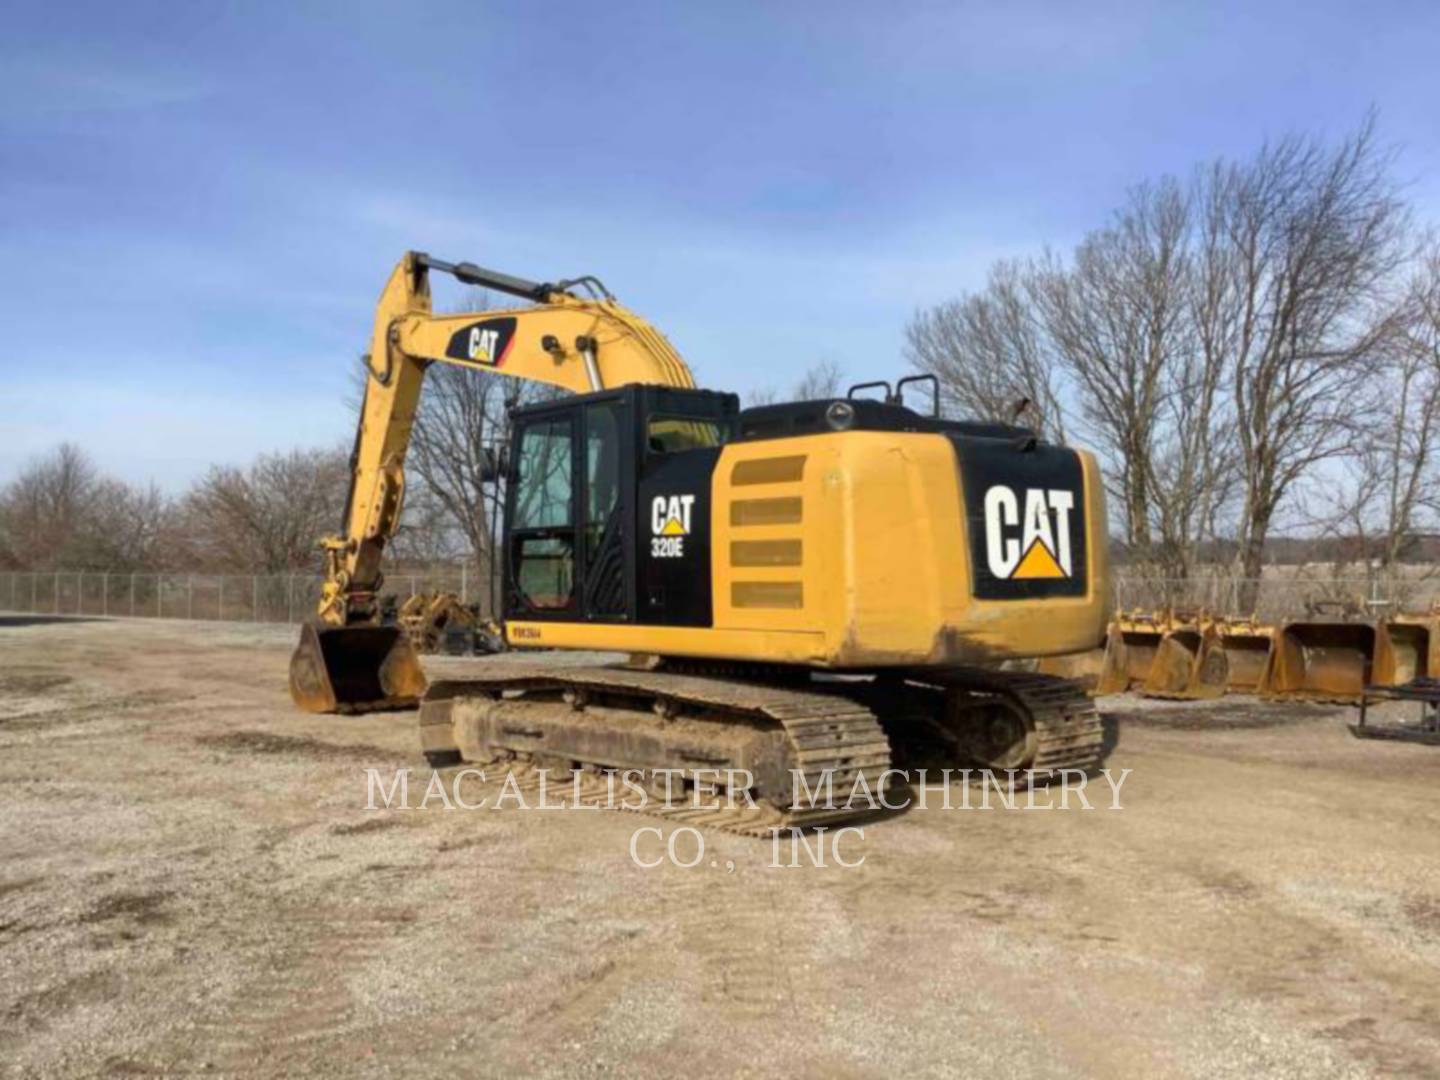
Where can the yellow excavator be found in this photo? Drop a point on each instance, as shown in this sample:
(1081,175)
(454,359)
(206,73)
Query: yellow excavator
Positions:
(813,584)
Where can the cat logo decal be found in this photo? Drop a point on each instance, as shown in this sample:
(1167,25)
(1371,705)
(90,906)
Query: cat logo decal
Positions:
(1027,533)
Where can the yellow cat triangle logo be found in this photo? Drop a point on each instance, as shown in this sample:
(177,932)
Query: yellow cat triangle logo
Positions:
(673,528)
(1038,563)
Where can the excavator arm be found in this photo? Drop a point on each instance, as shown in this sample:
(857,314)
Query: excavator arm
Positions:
(581,343)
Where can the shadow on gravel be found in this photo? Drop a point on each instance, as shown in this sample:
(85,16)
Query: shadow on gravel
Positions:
(20,621)
(1236,715)
(1109,735)
(263,742)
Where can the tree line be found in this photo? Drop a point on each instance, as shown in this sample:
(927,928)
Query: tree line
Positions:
(63,512)
(1254,345)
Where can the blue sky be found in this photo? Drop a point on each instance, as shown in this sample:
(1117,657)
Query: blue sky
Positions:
(199,202)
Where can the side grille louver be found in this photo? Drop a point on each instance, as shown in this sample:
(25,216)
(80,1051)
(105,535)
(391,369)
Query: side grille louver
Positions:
(768,511)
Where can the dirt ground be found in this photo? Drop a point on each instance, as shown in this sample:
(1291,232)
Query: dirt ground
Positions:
(190,882)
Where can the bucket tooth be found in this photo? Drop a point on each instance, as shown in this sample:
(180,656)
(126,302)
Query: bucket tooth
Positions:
(354,669)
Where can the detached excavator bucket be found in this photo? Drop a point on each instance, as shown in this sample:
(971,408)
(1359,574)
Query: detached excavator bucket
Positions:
(1189,665)
(1405,650)
(1318,661)
(1130,650)
(352,669)
(1247,646)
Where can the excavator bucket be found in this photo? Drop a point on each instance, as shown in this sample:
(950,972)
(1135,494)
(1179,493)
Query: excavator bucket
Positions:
(1247,646)
(1130,650)
(353,669)
(1189,665)
(1321,661)
(1405,650)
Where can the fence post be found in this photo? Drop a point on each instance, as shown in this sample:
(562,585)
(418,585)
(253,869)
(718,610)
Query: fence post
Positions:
(105,593)
(464,583)
(55,593)
(34,599)
(190,596)
(220,600)
(289,598)
(132,594)
(412,584)
(255,606)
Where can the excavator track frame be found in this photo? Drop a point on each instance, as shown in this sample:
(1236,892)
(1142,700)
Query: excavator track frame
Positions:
(823,731)
(832,727)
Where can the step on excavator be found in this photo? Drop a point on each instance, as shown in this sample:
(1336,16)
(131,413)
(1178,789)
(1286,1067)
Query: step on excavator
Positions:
(816,586)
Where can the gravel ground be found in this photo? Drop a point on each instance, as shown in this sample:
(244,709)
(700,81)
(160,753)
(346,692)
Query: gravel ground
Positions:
(190,882)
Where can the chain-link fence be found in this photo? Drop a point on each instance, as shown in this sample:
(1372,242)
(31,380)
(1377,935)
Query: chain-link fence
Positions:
(282,598)
(1287,593)
(273,598)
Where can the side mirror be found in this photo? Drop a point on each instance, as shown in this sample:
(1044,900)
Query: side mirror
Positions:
(492,464)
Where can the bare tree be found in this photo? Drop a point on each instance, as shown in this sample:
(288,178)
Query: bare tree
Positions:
(1118,320)
(1420,336)
(823,379)
(989,351)
(1311,236)
(135,528)
(267,518)
(460,428)
(1194,466)
(45,512)
(761,395)
(1390,487)
(1216,342)
(428,533)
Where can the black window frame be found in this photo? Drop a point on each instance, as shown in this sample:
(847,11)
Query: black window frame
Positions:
(514,538)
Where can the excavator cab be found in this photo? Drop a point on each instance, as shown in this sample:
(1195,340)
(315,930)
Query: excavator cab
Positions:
(585,479)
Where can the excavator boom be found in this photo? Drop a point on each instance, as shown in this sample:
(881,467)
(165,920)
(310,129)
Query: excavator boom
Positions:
(346,660)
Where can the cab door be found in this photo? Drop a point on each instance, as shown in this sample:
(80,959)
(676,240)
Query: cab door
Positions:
(570,512)
(606,513)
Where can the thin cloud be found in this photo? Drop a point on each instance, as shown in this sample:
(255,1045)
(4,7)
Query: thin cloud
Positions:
(48,88)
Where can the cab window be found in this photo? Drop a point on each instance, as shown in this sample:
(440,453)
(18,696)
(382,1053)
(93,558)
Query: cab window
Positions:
(545,484)
(671,434)
(543,530)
